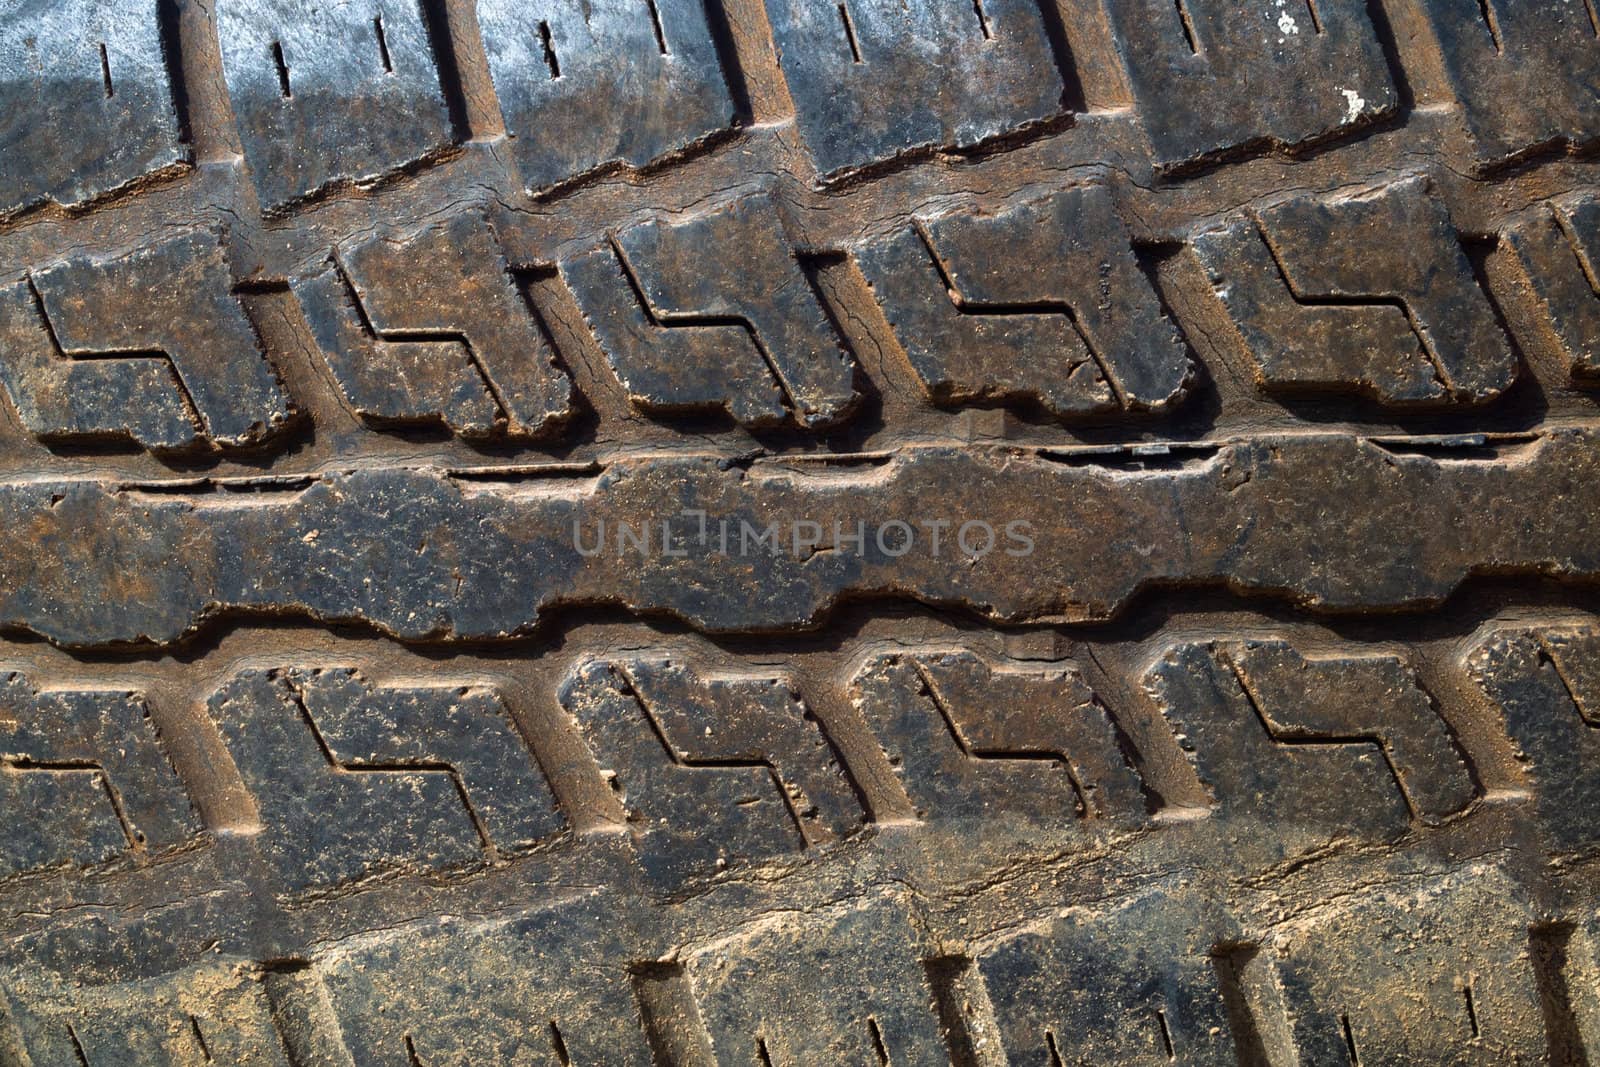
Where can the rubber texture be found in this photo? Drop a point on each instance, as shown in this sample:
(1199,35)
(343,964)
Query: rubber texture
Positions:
(894,532)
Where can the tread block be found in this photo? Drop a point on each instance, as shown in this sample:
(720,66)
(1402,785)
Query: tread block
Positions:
(1546,683)
(710,770)
(970,739)
(876,78)
(1318,306)
(1213,75)
(214,1012)
(1433,972)
(1559,247)
(982,321)
(61,398)
(501,555)
(352,780)
(102,118)
(432,327)
(1135,985)
(1347,745)
(84,779)
(715,312)
(586,83)
(1511,65)
(547,986)
(169,307)
(330,91)
(832,986)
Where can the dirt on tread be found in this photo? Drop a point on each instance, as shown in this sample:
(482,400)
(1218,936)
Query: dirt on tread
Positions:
(676,532)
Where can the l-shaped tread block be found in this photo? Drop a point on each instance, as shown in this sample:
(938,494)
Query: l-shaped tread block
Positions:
(1558,245)
(84,779)
(710,771)
(1545,681)
(972,739)
(353,780)
(1322,747)
(206,381)
(431,327)
(1319,306)
(1042,301)
(715,312)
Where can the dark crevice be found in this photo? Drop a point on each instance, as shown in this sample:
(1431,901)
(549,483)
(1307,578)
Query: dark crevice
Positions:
(1229,963)
(436,19)
(1458,448)
(1492,22)
(1316,17)
(948,977)
(558,1045)
(383,45)
(1157,456)
(732,67)
(1350,1041)
(172,57)
(77,1047)
(1185,21)
(655,26)
(551,60)
(1550,951)
(282,67)
(1378,15)
(878,1044)
(532,473)
(1073,97)
(200,1038)
(289,484)
(1166,1034)
(983,20)
(849,33)
(105,72)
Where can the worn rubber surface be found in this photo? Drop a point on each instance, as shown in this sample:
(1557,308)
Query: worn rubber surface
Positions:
(781,532)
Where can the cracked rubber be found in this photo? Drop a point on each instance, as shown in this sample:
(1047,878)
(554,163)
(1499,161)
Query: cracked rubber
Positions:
(687,532)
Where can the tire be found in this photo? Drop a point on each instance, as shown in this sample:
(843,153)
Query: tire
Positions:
(756,531)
